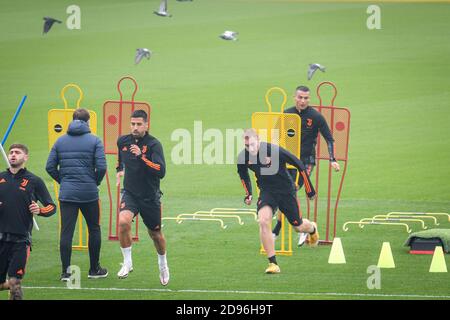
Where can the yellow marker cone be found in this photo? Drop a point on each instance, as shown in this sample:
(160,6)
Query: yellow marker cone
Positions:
(337,252)
(438,262)
(386,259)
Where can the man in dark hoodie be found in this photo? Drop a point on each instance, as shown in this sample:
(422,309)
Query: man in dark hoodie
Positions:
(77,162)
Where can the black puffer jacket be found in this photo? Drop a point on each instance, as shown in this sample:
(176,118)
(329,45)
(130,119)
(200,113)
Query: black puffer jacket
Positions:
(77,162)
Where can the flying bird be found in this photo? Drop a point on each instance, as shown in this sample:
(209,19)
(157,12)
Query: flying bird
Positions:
(162,11)
(229,35)
(312,68)
(142,53)
(49,23)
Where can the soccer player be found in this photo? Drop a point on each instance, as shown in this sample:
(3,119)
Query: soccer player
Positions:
(277,190)
(20,190)
(313,122)
(77,162)
(141,162)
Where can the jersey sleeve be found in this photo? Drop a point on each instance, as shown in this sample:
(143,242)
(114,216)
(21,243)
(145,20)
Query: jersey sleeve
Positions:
(242,169)
(119,166)
(288,157)
(326,134)
(154,161)
(43,196)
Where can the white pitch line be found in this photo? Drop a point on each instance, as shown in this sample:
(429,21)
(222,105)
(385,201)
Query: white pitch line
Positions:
(253,292)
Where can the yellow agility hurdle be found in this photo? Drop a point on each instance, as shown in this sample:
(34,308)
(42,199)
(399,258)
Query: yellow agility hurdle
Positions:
(181,219)
(384,219)
(251,212)
(397,219)
(200,214)
(423,215)
(362,224)
(209,215)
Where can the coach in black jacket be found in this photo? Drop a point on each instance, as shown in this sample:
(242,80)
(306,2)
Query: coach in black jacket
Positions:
(77,162)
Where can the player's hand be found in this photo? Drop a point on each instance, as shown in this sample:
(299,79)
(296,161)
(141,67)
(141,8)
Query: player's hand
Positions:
(118,176)
(311,195)
(335,166)
(34,208)
(135,150)
(248,199)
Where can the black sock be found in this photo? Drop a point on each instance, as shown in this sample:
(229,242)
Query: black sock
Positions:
(277,228)
(273,259)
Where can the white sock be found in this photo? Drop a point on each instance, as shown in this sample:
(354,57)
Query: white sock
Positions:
(126,252)
(162,260)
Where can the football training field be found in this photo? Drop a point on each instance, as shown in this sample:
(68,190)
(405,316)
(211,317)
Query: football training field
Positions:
(394,80)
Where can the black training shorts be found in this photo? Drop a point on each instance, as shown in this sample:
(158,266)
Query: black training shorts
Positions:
(13,259)
(149,209)
(286,202)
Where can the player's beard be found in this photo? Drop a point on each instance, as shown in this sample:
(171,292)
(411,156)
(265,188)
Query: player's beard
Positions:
(16,164)
(137,134)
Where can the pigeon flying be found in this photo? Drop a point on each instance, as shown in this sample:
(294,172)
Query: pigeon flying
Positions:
(142,53)
(49,23)
(229,35)
(312,68)
(162,11)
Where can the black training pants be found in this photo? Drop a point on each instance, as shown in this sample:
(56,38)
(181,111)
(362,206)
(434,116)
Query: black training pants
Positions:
(69,215)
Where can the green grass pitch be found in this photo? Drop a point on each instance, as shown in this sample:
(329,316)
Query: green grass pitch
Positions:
(395,81)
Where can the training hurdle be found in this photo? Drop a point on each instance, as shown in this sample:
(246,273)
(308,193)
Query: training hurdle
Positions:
(419,218)
(381,219)
(216,214)
(400,218)
(236,211)
(201,215)
(181,219)
(362,224)
(58,123)
(425,214)
(116,122)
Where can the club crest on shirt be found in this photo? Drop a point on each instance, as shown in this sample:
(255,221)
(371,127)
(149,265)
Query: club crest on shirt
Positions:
(24,183)
(309,122)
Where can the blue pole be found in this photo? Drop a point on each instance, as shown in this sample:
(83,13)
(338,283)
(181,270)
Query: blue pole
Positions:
(8,131)
(6,137)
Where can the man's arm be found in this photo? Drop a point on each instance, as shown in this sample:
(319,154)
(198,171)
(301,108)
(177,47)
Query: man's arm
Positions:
(43,196)
(154,161)
(297,163)
(326,134)
(100,161)
(119,166)
(242,169)
(52,164)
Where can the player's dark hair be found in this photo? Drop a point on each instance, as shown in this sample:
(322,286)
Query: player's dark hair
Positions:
(19,146)
(140,114)
(302,88)
(81,114)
